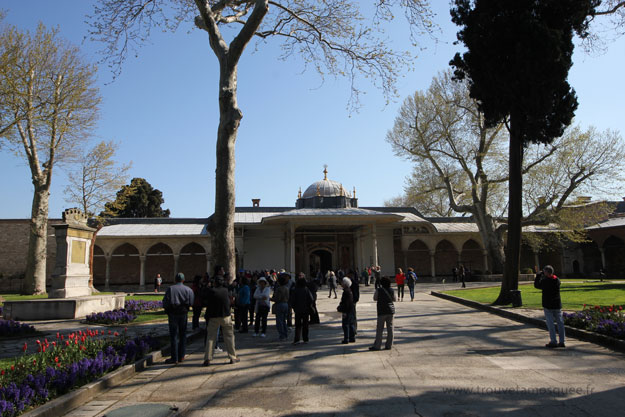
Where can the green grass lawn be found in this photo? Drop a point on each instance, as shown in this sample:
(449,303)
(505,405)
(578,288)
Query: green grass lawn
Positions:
(574,294)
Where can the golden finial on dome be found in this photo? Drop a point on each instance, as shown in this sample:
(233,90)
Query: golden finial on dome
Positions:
(299,193)
(325,172)
(354,192)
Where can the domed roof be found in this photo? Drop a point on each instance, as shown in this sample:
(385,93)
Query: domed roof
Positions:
(325,188)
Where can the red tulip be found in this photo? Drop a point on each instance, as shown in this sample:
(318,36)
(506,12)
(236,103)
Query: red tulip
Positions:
(67,343)
(115,334)
(24,347)
(34,361)
(58,335)
(38,342)
(2,372)
(56,359)
(13,367)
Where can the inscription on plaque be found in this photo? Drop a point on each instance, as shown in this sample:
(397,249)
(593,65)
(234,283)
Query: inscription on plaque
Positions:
(78,252)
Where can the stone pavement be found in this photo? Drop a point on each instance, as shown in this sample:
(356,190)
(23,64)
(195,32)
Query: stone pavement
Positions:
(447,360)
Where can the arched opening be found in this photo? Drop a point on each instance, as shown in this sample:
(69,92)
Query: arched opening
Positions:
(471,257)
(320,260)
(159,260)
(99,266)
(445,258)
(614,250)
(125,265)
(418,257)
(192,260)
(592,258)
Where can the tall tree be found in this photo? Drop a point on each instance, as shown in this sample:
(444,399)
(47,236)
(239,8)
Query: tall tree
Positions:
(460,167)
(327,34)
(137,199)
(96,179)
(49,105)
(517,63)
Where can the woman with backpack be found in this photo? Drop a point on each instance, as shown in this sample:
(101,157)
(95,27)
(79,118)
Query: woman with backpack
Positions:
(385,298)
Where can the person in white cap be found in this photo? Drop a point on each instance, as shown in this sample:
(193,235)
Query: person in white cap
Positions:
(263,305)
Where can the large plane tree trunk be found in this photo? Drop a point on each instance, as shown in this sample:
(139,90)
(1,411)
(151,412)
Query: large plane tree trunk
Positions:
(222,227)
(35,279)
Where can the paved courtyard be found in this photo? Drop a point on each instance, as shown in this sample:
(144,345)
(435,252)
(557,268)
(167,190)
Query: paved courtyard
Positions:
(447,360)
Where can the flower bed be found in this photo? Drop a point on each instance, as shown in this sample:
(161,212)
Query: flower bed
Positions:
(129,313)
(607,320)
(14,328)
(141,306)
(111,317)
(64,364)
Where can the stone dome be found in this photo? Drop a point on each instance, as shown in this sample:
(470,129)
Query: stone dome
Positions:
(325,188)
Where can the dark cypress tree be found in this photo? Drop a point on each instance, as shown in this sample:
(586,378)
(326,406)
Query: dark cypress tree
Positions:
(138,199)
(517,62)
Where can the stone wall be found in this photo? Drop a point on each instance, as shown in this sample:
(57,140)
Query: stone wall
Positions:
(14,249)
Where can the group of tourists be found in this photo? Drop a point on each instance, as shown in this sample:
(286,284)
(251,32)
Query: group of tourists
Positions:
(254,295)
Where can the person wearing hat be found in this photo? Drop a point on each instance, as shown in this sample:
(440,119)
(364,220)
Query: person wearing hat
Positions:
(177,301)
(346,307)
(263,305)
(218,316)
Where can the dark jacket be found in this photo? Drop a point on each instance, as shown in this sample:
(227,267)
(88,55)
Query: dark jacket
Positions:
(355,287)
(347,302)
(301,300)
(218,302)
(551,291)
(385,298)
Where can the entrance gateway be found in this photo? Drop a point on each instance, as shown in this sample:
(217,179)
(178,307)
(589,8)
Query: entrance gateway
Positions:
(325,229)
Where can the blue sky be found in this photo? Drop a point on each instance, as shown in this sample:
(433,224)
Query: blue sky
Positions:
(163,112)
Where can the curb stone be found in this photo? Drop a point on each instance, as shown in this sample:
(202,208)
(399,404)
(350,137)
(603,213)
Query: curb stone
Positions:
(581,334)
(82,395)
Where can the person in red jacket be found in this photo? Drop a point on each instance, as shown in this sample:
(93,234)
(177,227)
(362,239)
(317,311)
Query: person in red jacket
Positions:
(400,280)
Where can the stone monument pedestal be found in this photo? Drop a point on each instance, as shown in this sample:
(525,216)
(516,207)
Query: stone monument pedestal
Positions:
(62,308)
(70,296)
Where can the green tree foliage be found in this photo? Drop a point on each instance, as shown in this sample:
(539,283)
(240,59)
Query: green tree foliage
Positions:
(329,35)
(49,104)
(96,179)
(138,199)
(517,63)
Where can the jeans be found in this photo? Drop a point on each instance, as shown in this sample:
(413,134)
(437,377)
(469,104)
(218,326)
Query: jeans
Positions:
(261,316)
(411,289)
(197,312)
(400,291)
(382,319)
(552,315)
(348,327)
(177,335)
(282,310)
(301,327)
(240,317)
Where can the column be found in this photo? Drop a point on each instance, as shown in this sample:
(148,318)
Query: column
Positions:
(433,263)
(176,259)
(208,264)
(142,272)
(107,274)
(292,249)
(536,260)
(361,249)
(485,257)
(374,242)
(603,265)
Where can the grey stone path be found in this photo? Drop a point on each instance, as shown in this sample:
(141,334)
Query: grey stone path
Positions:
(448,360)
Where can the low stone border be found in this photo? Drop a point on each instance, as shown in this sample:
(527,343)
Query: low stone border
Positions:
(581,334)
(82,395)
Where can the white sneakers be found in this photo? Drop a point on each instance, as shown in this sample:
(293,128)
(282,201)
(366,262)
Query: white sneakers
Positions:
(263,335)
